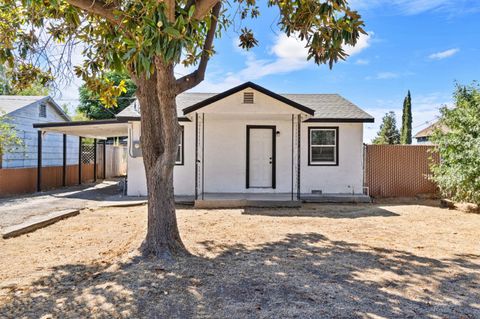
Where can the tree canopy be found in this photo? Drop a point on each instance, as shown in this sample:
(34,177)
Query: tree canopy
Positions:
(6,87)
(457,140)
(37,36)
(92,106)
(388,132)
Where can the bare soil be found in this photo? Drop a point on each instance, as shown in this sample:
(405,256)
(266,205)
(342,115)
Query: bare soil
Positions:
(386,260)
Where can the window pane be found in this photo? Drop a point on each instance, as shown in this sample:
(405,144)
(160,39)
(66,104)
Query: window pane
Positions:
(323,137)
(323,154)
(179,154)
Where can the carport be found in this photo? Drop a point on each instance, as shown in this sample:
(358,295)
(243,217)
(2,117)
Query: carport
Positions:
(97,130)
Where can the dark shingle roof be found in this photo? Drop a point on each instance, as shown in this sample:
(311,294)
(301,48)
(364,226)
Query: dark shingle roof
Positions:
(326,106)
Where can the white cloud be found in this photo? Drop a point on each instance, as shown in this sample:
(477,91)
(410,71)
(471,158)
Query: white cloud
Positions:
(443,54)
(383,76)
(288,54)
(362,62)
(363,42)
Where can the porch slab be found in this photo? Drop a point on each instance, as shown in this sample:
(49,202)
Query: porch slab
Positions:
(335,198)
(238,200)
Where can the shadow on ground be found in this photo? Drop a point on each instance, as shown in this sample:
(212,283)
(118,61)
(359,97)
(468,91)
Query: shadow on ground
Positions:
(301,276)
(325,211)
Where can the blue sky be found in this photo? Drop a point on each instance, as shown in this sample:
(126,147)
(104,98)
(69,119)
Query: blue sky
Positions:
(423,46)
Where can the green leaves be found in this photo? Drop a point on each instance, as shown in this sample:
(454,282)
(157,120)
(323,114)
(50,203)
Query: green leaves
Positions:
(37,36)
(457,136)
(388,133)
(8,136)
(247,39)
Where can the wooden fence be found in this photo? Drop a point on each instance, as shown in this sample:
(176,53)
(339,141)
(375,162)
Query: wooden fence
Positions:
(24,180)
(398,170)
(15,181)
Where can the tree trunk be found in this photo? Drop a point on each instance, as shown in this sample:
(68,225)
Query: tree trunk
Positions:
(160,137)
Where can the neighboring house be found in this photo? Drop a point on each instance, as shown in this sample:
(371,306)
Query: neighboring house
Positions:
(22,112)
(251,140)
(423,137)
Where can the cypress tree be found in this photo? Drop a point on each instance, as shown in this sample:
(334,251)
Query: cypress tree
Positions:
(406,131)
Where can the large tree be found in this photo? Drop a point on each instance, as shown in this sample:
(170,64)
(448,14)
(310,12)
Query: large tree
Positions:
(457,140)
(91,105)
(388,132)
(147,39)
(406,130)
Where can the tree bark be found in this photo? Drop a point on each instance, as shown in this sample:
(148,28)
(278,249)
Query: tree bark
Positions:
(160,138)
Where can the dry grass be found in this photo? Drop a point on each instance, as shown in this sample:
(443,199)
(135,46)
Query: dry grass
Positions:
(369,261)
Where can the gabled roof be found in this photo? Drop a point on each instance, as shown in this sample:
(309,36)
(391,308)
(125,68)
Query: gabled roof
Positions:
(323,107)
(241,87)
(12,103)
(428,131)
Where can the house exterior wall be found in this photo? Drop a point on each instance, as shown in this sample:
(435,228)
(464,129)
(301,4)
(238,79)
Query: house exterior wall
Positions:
(347,177)
(52,146)
(225,154)
(225,159)
(222,147)
(184,175)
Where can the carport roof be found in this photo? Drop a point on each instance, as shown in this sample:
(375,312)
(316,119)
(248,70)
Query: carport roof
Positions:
(100,129)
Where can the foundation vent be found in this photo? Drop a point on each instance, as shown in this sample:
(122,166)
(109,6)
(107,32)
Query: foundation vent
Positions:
(248,97)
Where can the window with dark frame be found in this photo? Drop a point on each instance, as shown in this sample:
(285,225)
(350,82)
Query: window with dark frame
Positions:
(42,111)
(179,158)
(323,146)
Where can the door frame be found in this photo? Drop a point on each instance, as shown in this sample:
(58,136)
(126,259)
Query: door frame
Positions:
(274,155)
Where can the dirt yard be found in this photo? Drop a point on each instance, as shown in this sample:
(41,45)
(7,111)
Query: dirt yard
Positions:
(388,260)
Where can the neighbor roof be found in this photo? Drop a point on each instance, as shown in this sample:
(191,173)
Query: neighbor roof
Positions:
(12,103)
(323,107)
(428,131)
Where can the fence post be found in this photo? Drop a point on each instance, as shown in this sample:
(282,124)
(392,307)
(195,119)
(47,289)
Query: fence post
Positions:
(64,176)
(39,161)
(94,160)
(104,159)
(80,150)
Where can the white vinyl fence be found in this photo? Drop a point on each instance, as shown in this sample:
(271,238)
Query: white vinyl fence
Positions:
(116,160)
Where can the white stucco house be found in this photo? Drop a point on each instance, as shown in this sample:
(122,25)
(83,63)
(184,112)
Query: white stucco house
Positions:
(250,140)
(250,143)
(22,112)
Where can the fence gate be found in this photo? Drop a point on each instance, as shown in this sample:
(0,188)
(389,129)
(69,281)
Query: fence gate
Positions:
(399,170)
(87,160)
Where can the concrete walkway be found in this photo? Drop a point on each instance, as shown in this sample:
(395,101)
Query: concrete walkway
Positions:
(15,210)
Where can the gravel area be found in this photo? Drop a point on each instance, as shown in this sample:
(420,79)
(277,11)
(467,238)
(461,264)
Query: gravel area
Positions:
(385,260)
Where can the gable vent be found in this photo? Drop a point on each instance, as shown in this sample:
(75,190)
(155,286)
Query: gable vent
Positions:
(248,97)
(42,112)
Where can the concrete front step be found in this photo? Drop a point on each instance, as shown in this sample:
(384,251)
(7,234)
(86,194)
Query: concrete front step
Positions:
(239,203)
(335,198)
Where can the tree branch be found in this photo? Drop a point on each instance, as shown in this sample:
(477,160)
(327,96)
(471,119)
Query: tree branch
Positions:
(202,7)
(189,81)
(97,7)
(170,9)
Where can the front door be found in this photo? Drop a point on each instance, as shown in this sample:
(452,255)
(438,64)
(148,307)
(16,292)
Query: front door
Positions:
(260,156)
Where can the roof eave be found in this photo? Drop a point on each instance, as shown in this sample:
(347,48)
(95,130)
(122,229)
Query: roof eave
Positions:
(341,120)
